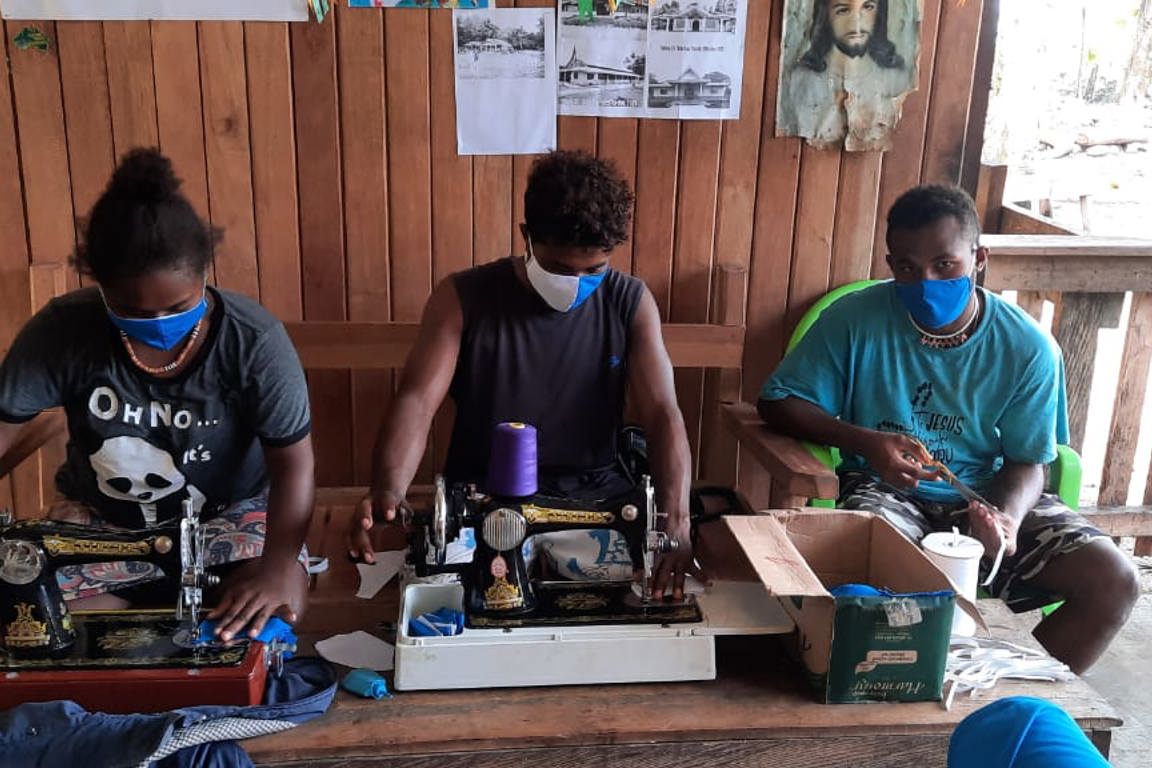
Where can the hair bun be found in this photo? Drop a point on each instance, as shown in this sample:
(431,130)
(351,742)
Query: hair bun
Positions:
(146,175)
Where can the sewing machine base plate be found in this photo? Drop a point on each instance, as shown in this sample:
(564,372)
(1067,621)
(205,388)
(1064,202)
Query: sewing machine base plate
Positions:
(574,604)
(131,661)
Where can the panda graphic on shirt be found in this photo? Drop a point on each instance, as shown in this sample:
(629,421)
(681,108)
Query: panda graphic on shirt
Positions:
(130,469)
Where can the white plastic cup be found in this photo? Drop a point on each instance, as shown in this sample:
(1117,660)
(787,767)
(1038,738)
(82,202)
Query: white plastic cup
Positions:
(958,556)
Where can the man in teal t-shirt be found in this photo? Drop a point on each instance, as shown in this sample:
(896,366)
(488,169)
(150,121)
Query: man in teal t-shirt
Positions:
(929,360)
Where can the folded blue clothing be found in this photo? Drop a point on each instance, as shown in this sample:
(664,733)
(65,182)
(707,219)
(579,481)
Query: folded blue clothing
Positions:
(443,622)
(274,629)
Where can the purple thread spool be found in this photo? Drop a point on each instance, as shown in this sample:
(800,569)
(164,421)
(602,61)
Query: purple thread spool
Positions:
(512,465)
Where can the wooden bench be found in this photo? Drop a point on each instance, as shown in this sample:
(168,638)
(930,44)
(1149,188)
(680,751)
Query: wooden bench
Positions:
(366,346)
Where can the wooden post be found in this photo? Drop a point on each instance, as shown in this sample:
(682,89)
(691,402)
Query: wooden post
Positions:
(718,462)
(1126,413)
(971,169)
(1082,315)
(990,196)
(1031,302)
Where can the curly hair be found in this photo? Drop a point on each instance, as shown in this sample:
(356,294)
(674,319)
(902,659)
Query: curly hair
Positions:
(142,223)
(575,199)
(880,48)
(924,205)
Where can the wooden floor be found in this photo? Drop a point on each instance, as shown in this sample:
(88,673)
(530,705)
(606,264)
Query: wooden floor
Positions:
(757,713)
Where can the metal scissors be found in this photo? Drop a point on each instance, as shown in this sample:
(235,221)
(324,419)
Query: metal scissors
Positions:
(926,460)
(946,474)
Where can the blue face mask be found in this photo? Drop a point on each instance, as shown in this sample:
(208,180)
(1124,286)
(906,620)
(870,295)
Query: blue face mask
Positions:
(160,332)
(935,303)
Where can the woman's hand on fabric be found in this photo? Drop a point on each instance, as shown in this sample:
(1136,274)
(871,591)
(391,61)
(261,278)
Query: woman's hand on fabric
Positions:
(257,591)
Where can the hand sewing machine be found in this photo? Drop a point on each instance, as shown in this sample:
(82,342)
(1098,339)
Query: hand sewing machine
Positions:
(34,619)
(101,658)
(500,592)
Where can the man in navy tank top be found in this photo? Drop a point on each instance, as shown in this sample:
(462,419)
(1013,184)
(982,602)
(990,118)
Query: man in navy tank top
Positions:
(555,338)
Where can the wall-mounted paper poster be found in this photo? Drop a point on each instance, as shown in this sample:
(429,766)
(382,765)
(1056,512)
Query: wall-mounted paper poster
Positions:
(461,4)
(679,59)
(505,81)
(845,69)
(172,10)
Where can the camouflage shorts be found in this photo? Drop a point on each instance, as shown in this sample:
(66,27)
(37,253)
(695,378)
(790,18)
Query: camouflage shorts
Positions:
(235,534)
(1048,530)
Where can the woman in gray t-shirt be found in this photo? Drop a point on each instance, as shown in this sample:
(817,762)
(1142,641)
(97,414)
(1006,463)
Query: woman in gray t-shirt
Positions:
(173,391)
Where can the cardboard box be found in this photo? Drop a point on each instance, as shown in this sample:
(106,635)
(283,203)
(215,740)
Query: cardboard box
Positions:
(854,649)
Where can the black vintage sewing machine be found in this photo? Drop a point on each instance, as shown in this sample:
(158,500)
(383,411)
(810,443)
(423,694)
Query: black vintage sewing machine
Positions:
(500,591)
(103,658)
(35,622)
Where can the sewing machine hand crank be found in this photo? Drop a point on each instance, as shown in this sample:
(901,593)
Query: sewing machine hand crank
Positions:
(655,541)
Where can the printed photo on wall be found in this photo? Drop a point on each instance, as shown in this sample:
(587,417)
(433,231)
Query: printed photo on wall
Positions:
(675,59)
(602,74)
(461,4)
(621,14)
(846,67)
(691,17)
(505,63)
(170,10)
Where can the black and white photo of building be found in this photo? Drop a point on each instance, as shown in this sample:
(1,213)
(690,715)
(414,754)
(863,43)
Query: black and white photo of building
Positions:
(689,89)
(486,50)
(591,81)
(716,16)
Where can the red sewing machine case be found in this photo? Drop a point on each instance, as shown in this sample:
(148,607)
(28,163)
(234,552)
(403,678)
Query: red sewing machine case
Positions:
(128,661)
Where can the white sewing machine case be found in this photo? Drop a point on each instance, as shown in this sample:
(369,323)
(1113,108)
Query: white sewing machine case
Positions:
(527,656)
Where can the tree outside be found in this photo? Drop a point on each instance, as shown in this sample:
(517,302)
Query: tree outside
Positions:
(1070,111)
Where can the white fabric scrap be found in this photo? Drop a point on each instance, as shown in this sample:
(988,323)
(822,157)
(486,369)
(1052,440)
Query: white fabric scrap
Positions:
(374,576)
(978,663)
(358,650)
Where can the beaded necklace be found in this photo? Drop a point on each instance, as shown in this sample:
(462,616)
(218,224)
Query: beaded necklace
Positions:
(950,340)
(163,369)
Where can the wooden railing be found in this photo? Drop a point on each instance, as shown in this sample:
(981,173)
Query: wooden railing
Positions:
(1087,280)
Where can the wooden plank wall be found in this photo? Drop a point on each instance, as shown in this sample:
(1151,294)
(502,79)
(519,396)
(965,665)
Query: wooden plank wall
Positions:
(327,154)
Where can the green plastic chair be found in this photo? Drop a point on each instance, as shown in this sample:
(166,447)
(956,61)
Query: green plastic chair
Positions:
(1065,473)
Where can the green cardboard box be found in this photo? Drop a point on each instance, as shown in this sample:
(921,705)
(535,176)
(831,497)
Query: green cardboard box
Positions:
(890,648)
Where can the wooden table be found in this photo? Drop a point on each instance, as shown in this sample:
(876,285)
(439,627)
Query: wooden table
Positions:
(758,712)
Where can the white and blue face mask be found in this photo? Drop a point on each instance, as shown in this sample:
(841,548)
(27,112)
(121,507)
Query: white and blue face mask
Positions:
(163,332)
(561,292)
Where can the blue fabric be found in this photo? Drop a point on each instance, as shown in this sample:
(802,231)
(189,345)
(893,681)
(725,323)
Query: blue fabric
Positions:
(217,754)
(62,734)
(867,590)
(998,396)
(1021,732)
(854,590)
(443,622)
(274,629)
(935,303)
(163,332)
